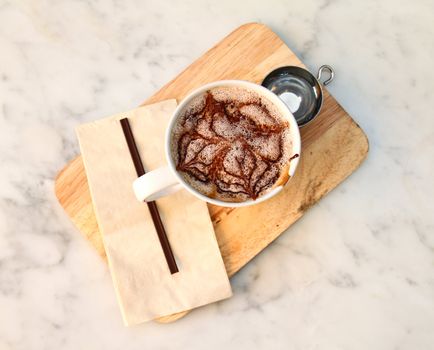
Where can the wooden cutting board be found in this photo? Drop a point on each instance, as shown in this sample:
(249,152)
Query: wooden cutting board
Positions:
(333,146)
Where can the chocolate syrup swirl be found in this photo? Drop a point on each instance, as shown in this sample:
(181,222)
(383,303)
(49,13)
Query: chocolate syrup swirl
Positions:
(231,148)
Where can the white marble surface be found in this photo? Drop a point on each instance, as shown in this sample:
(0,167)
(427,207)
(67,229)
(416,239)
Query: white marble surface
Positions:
(356,272)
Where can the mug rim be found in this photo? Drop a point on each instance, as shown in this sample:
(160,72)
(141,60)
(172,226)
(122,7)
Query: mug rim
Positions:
(294,129)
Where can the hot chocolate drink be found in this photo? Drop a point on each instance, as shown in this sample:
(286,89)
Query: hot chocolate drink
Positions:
(232,144)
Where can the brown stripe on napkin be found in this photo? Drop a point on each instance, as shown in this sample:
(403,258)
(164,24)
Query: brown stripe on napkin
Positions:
(162,236)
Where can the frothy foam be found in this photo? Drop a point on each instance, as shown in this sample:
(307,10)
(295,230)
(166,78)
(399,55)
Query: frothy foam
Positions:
(231,144)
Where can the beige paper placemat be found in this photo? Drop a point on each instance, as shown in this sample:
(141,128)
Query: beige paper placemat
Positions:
(144,286)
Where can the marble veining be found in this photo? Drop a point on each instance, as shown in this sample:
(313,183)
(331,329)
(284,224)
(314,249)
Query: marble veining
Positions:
(356,272)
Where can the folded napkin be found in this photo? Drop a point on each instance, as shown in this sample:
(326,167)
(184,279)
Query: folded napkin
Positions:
(144,286)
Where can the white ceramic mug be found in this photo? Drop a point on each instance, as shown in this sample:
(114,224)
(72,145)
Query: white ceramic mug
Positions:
(166,180)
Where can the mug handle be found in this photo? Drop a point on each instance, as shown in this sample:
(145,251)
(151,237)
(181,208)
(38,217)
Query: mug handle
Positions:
(156,184)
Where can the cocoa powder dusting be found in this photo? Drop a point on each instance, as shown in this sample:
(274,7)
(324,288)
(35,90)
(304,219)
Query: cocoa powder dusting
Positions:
(231,145)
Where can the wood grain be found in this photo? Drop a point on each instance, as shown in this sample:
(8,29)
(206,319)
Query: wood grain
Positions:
(333,146)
